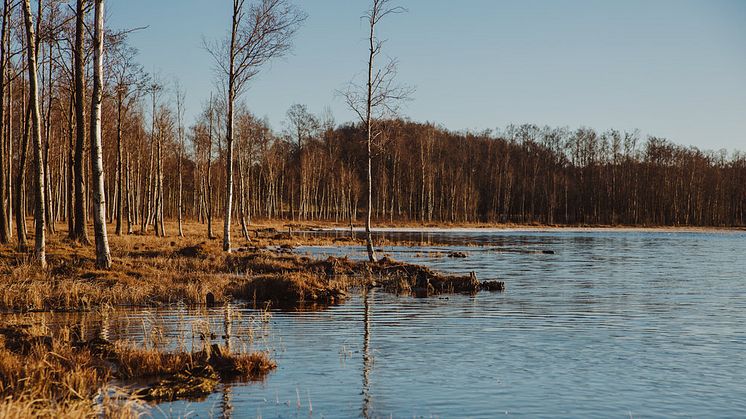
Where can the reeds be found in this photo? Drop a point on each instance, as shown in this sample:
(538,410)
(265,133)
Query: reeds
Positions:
(45,374)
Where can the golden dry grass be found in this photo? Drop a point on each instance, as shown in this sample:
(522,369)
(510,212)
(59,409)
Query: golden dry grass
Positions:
(45,374)
(149,270)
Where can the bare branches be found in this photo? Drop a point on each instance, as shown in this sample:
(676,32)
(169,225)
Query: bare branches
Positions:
(128,77)
(263,31)
(379,9)
(302,124)
(386,96)
(380,97)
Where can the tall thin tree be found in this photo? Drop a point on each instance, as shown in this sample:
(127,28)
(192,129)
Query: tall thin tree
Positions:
(39,196)
(79,164)
(377,98)
(103,256)
(259,34)
(4,229)
(180,98)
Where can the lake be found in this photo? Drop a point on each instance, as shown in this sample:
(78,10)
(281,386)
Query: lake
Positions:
(592,323)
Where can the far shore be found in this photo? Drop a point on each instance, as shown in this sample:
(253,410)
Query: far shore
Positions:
(405,226)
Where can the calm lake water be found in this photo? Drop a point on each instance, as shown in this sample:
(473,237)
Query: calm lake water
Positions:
(613,324)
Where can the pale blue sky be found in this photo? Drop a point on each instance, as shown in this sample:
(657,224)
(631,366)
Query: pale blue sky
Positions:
(672,68)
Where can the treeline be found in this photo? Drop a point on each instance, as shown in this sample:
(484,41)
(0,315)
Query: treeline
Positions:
(156,166)
(525,174)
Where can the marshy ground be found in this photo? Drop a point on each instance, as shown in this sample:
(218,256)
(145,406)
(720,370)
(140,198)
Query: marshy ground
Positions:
(60,373)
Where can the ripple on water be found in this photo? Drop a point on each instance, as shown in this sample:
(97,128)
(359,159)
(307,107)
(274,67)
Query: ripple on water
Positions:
(611,324)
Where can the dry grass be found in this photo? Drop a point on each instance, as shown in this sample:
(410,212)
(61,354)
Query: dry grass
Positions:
(138,362)
(150,271)
(45,374)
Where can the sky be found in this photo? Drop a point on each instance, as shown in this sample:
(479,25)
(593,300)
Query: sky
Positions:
(670,68)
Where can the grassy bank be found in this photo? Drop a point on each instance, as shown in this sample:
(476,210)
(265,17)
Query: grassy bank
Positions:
(56,374)
(149,270)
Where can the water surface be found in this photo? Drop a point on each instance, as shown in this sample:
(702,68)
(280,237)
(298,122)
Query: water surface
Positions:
(613,324)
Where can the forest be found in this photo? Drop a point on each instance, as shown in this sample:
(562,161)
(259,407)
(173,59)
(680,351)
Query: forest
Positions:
(154,165)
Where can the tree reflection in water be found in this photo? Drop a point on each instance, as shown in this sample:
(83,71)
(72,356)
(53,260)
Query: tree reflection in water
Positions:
(367,357)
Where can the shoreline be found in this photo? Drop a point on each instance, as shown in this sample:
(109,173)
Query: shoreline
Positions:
(312,225)
(530,228)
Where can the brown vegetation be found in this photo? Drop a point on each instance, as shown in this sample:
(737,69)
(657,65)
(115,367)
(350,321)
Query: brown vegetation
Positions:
(154,271)
(45,374)
(42,376)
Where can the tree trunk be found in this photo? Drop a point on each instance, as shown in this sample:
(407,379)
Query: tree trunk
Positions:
(179,204)
(119,202)
(4,229)
(21,181)
(369,125)
(242,199)
(40,239)
(70,169)
(103,256)
(129,199)
(79,182)
(210,234)
(9,151)
(160,200)
(180,157)
(48,208)
(228,172)
(229,139)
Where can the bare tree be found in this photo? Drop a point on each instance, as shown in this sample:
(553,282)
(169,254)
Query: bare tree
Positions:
(79,182)
(103,256)
(4,228)
(128,81)
(379,97)
(149,204)
(180,98)
(302,125)
(31,44)
(208,186)
(259,33)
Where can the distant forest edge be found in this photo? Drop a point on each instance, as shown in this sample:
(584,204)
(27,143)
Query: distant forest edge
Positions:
(422,173)
(526,174)
(314,170)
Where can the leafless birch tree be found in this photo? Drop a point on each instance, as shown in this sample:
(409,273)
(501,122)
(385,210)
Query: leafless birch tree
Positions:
(103,256)
(39,198)
(4,228)
(302,125)
(377,98)
(180,98)
(79,181)
(259,32)
(128,79)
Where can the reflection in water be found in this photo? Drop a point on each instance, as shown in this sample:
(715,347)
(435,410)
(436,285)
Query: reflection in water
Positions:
(227,325)
(226,403)
(367,358)
(104,332)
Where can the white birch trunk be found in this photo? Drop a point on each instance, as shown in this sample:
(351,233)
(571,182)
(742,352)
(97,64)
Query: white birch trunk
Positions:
(39,216)
(103,256)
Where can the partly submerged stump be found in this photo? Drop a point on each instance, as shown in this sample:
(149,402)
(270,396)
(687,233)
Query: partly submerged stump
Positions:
(487,285)
(210,299)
